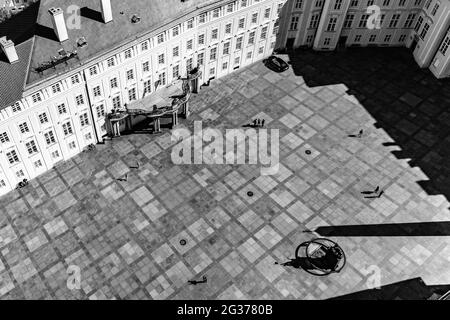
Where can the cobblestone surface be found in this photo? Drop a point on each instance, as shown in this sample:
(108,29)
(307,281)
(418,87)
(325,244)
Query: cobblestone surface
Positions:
(126,235)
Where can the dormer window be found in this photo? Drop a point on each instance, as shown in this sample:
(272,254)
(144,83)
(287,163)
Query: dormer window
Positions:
(16,107)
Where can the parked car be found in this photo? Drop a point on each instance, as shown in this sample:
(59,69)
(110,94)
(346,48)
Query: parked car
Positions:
(276,64)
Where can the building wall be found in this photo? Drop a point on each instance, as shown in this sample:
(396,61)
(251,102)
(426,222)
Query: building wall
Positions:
(403,23)
(87,92)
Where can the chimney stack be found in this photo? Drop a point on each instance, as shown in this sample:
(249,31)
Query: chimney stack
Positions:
(106,11)
(9,49)
(59,24)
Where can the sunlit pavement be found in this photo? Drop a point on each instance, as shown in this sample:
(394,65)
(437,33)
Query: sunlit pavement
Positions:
(125,235)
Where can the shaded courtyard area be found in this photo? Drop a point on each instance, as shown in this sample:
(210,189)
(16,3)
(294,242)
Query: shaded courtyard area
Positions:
(140,227)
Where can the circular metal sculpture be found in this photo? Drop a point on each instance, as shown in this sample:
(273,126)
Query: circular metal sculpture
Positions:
(322,257)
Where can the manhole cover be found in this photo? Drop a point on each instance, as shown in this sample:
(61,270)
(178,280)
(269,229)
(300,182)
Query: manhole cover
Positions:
(183,242)
(308,152)
(250,194)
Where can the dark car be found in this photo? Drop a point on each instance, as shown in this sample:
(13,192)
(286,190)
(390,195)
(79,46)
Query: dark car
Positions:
(276,64)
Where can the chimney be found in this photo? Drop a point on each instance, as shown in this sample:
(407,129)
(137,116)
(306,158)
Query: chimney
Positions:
(59,24)
(106,10)
(9,49)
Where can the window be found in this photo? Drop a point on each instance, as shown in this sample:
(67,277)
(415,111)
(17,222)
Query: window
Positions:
(116,102)
(12,157)
(111,62)
(146,66)
(100,111)
(43,118)
(72,145)
(50,138)
(298,4)
(62,108)
(294,23)
(358,38)
(372,38)
(239,43)
(36,97)
(2,184)
(226,48)
(79,100)
(230,7)
(445,45)
(332,24)
(113,83)
(190,24)
(93,71)
(128,54)
(75,79)
(84,120)
(264,33)
(212,72)
(55,154)
(4,137)
(228,28)
(255,18)
(31,147)
(189,64)
(202,18)
(147,86)
(200,58)
(97,92)
(144,46)
(251,38)
(409,20)
(201,39)
(23,127)
(225,66)
(249,55)
(213,54)
(241,24)
(214,34)
(327,41)
(237,60)
(38,164)
(132,94)
(418,24)
(267,13)
(216,13)
(425,29)
(175,31)
(161,59)
(130,74)
(88,136)
(189,44)
(20,174)
(349,20)
(67,128)
(243,3)
(261,50)
(16,107)
(394,21)
(388,38)
(160,38)
(56,88)
(175,52)
(435,9)
(363,21)
(162,78)
(314,21)
(338,5)
(176,72)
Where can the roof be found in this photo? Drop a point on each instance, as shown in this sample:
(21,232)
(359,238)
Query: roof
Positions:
(100,37)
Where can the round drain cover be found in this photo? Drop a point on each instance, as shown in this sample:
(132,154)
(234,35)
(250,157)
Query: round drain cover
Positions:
(183,242)
(308,152)
(250,194)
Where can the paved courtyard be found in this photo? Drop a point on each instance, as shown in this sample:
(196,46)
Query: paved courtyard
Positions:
(125,235)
